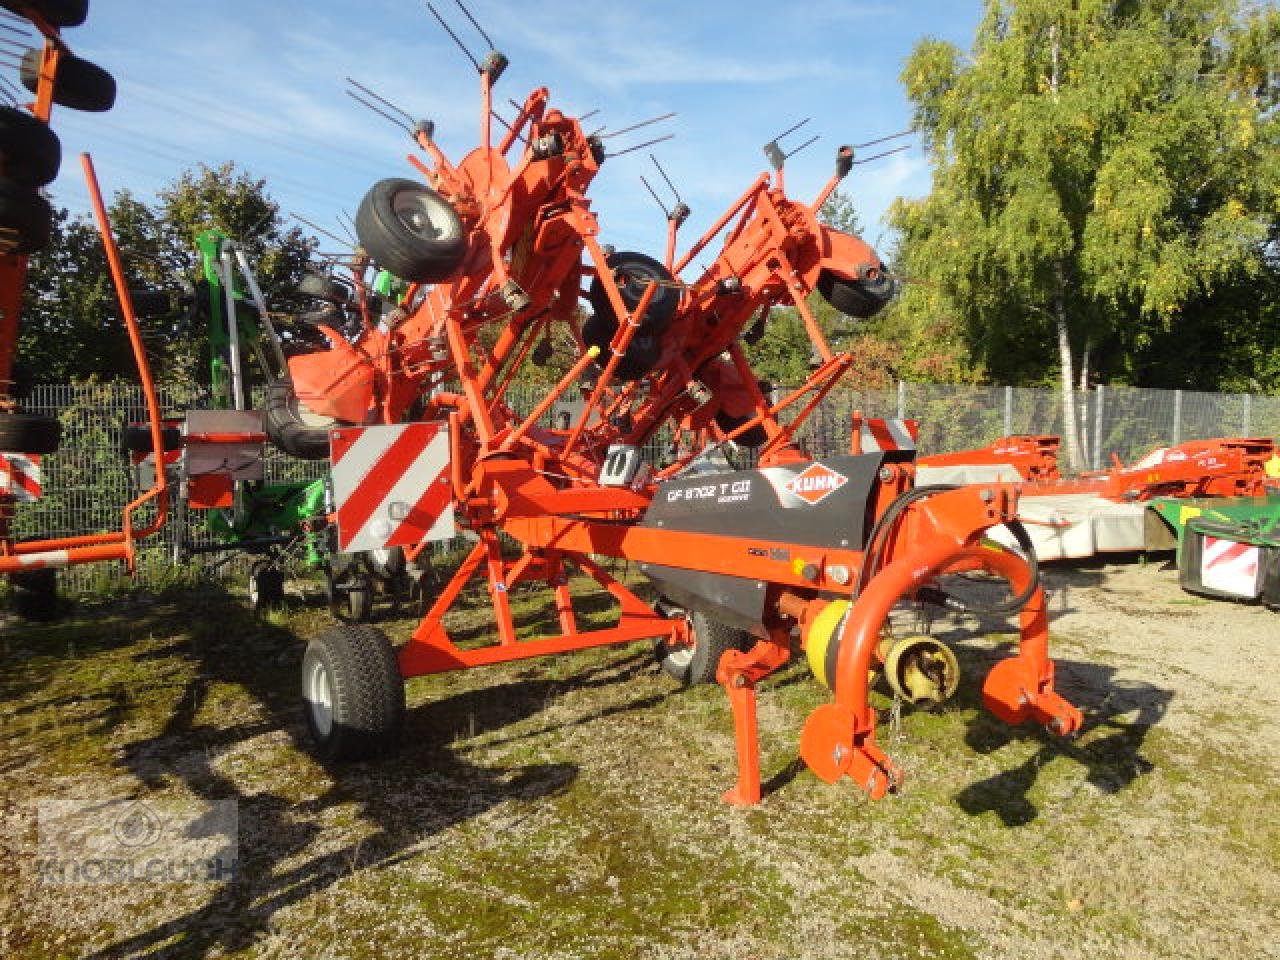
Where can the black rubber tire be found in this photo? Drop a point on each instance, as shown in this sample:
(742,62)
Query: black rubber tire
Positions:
(860,299)
(32,152)
(386,565)
(79,85)
(29,433)
(266,586)
(633,271)
(365,693)
(59,13)
(286,428)
(35,594)
(26,219)
(136,438)
(642,354)
(755,437)
(698,663)
(324,288)
(410,230)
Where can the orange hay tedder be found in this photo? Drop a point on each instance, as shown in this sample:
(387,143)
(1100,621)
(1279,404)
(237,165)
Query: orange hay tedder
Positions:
(748,564)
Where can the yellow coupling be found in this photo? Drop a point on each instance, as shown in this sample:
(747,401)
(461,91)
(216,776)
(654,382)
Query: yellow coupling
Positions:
(917,669)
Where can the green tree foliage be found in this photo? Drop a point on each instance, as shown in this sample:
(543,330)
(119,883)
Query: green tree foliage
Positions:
(1106,189)
(71,325)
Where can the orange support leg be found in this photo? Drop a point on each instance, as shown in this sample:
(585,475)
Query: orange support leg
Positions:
(738,673)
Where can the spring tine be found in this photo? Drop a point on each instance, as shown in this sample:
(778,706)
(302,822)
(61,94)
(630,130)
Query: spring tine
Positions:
(679,199)
(892,136)
(461,46)
(641,146)
(382,100)
(791,129)
(886,153)
(654,194)
(636,126)
(318,229)
(380,112)
(475,24)
(812,140)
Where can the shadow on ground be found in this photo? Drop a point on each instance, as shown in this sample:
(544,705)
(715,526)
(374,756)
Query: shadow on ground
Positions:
(426,788)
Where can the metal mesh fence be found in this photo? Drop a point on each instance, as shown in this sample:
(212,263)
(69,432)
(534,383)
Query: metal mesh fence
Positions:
(89,481)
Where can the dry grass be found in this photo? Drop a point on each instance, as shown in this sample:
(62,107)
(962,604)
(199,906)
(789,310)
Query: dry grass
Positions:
(569,807)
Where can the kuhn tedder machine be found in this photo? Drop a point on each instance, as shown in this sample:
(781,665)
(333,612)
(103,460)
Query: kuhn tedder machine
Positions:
(748,564)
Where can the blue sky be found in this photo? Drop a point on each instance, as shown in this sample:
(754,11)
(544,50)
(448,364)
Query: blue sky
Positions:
(262,84)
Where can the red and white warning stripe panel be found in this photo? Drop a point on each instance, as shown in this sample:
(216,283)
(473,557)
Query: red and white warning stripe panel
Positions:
(21,476)
(391,485)
(889,434)
(1229,567)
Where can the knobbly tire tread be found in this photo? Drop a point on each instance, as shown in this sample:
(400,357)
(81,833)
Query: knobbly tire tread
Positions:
(711,640)
(367,690)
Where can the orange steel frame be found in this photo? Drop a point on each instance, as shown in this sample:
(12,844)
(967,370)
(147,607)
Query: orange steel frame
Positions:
(115,545)
(529,223)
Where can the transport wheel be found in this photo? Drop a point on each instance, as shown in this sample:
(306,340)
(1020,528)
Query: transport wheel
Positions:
(266,586)
(352,692)
(32,152)
(755,437)
(136,438)
(26,219)
(79,85)
(292,427)
(698,662)
(633,271)
(29,433)
(410,230)
(35,594)
(385,564)
(59,13)
(324,288)
(861,299)
(350,590)
(643,353)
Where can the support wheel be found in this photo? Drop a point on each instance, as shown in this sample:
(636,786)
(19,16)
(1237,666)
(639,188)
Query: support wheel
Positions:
(386,563)
(352,693)
(35,595)
(698,662)
(29,433)
(292,427)
(266,586)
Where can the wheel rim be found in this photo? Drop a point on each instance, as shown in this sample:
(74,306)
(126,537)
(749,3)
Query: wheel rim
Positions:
(414,212)
(679,658)
(319,694)
(309,418)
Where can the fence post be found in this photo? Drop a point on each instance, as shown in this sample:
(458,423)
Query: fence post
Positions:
(1177,418)
(1247,426)
(1097,427)
(1008,411)
(902,399)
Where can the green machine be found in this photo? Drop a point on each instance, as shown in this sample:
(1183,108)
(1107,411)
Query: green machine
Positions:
(283,523)
(1227,547)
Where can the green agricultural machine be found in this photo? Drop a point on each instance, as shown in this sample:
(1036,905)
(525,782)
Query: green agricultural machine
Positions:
(1227,547)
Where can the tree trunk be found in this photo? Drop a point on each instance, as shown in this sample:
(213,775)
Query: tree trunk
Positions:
(1070,423)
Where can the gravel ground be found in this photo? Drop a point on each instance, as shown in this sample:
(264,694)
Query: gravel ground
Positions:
(569,807)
